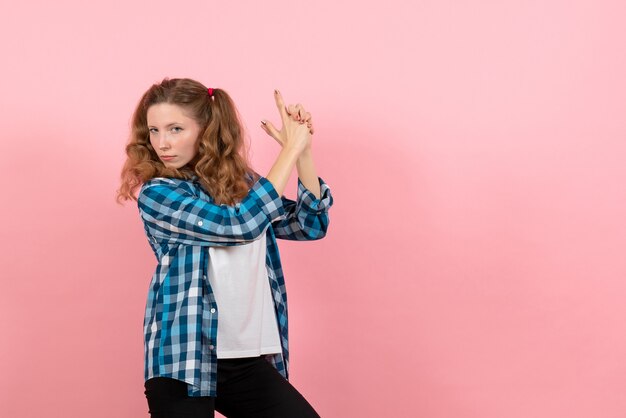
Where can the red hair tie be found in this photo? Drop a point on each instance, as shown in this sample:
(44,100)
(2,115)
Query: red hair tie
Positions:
(210,91)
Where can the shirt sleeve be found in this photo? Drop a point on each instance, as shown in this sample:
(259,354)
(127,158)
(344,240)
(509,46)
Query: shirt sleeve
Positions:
(174,214)
(306,218)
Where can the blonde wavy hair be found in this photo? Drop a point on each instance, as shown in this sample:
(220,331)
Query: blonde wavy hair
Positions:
(221,162)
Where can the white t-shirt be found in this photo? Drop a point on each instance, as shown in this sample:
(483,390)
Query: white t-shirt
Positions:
(247,323)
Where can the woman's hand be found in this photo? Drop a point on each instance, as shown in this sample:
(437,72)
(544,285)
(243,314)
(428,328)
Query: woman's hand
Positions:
(297,126)
(298,113)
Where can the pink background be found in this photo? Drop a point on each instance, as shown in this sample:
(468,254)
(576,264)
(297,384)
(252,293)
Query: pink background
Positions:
(474,265)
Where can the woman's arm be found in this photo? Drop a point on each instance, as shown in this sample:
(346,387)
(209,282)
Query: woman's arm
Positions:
(293,117)
(173,213)
(307,218)
(294,137)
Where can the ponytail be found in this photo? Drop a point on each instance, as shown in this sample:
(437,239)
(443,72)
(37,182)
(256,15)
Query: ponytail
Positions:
(222,166)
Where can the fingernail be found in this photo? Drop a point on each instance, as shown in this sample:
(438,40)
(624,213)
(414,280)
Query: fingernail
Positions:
(275,91)
(263,122)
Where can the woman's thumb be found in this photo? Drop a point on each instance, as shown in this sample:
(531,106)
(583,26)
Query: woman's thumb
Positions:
(271,130)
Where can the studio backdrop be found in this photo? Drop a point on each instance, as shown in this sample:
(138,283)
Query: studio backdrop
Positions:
(474,264)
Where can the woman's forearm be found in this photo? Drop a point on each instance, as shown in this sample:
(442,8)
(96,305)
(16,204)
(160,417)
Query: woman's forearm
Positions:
(307,173)
(281,170)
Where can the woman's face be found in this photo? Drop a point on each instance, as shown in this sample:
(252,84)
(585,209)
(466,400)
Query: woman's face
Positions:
(173,134)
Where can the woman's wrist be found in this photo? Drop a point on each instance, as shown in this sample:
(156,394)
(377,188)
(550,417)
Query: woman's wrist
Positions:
(306,153)
(292,152)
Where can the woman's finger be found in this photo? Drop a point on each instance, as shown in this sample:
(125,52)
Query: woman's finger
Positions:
(293,112)
(271,131)
(300,110)
(281,105)
(306,118)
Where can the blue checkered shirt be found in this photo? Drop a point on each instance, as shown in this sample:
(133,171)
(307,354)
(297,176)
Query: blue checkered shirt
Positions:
(180,221)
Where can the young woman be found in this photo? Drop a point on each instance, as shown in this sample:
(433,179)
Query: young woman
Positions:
(216,315)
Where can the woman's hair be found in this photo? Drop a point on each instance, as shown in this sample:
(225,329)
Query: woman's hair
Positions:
(221,163)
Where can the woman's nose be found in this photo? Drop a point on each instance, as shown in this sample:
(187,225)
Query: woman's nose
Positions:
(163,142)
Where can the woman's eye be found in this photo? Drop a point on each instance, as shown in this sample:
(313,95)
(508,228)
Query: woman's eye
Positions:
(152,130)
(177,129)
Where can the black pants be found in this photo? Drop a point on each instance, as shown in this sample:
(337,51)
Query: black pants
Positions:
(246,387)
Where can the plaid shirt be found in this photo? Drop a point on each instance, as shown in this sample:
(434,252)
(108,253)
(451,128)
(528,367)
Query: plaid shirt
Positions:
(180,221)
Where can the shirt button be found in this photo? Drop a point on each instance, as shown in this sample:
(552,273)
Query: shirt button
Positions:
(211,347)
(199,223)
(212,310)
